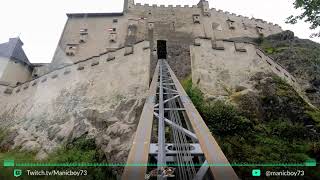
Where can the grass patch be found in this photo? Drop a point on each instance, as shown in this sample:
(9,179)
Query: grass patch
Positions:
(315,115)
(272,50)
(81,150)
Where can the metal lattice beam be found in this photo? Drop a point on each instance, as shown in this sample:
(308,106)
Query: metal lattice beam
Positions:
(171,106)
(187,132)
(161,131)
(209,146)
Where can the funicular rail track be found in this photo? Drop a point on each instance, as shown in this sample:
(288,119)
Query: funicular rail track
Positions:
(172,135)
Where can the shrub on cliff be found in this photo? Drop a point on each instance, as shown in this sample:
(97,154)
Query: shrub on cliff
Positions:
(224,119)
(275,133)
(221,118)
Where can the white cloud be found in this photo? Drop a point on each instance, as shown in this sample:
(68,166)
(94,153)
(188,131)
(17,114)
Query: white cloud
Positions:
(40,23)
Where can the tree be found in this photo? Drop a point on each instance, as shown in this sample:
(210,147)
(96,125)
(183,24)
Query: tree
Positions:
(310,14)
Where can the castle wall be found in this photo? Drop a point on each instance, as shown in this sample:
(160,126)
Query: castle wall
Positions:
(100,96)
(170,24)
(212,24)
(3,64)
(13,72)
(96,41)
(176,24)
(242,26)
(3,87)
(40,70)
(217,71)
(219,67)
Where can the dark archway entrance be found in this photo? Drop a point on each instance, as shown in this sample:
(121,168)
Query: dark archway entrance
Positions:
(162,49)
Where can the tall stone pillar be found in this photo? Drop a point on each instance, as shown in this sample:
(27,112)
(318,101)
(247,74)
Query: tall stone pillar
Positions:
(128,4)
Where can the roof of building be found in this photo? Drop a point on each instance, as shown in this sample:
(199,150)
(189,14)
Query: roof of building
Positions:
(13,50)
(94,14)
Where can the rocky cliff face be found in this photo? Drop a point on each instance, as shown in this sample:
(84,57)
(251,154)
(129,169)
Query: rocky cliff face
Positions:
(300,57)
(43,133)
(255,115)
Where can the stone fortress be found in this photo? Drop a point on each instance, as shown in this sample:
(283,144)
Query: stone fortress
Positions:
(101,70)
(88,35)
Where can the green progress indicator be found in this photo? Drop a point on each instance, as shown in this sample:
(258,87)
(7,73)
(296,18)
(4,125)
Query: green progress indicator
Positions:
(8,163)
(311,162)
(11,163)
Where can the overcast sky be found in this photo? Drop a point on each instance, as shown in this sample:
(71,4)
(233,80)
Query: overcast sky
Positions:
(40,22)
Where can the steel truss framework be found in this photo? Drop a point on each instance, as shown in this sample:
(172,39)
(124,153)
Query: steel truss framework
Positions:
(182,136)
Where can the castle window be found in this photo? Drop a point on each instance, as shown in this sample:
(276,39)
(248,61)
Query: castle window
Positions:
(259,30)
(83,35)
(71,49)
(113,37)
(231,24)
(150,25)
(196,18)
(115,20)
(114,29)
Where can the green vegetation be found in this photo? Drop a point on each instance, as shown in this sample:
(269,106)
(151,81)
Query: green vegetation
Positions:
(315,115)
(80,151)
(224,119)
(309,13)
(270,49)
(3,134)
(15,154)
(247,140)
(194,93)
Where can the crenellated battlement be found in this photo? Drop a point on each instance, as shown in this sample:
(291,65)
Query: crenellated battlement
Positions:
(139,5)
(229,15)
(89,63)
(245,18)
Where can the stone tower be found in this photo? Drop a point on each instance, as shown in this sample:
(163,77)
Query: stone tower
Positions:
(15,67)
(204,5)
(128,4)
